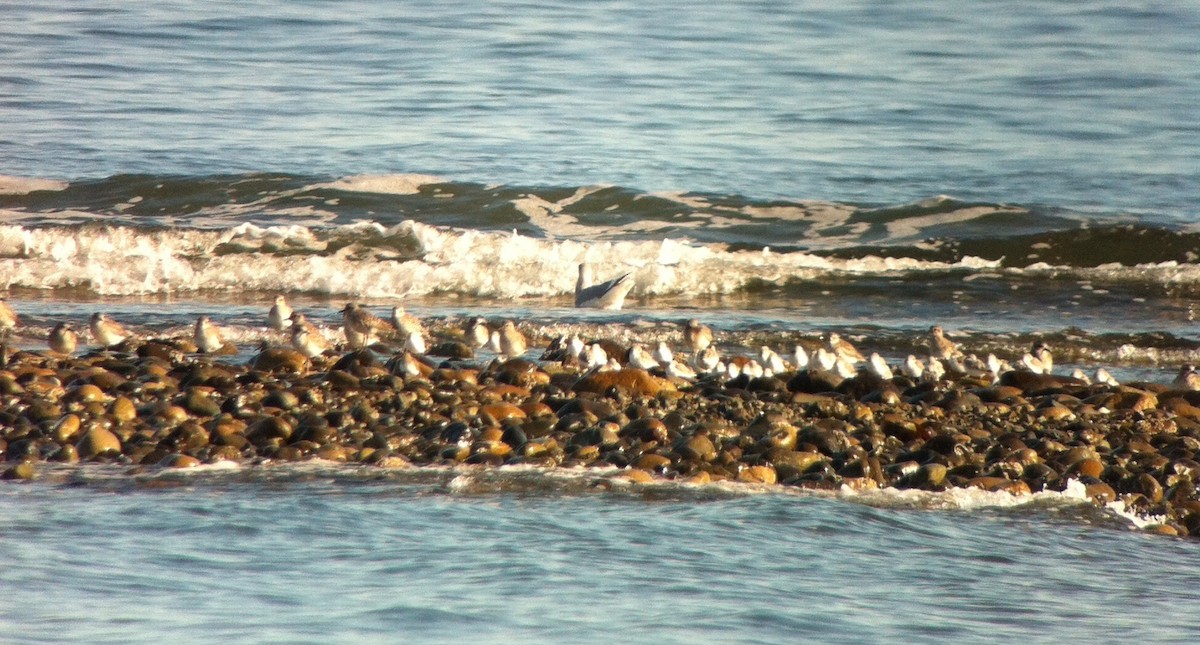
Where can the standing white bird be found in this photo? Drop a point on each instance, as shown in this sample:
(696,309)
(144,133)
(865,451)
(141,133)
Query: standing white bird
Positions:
(913,367)
(406,323)
(1039,360)
(478,333)
(414,342)
(105,331)
(306,338)
(207,335)
(606,295)
(879,367)
(934,371)
(1102,376)
(772,361)
(824,360)
(280,315)
(680,370)
(663,354)
(800,358)
(707,360)
(640,358)
(595,357)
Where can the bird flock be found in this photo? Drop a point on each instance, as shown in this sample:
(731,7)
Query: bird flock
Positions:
(699,357)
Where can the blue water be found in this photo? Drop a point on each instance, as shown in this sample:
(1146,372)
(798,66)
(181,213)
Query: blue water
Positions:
(1080,105)
(322,562)
(1083,109)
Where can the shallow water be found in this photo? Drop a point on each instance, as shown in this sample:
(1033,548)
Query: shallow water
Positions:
(317,559)
(1012,172)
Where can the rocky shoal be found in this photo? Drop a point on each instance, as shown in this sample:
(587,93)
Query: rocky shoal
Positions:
(157,406)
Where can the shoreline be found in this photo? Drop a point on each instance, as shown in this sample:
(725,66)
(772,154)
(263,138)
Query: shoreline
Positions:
(158,405)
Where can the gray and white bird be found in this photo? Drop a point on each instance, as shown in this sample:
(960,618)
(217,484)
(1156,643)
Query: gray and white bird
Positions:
(879,367)
(360,325)
(207,335)
(605,295)
(1039,360)
(105,331)
(640,358)
(306,338)
(939,346)
(8,317)
(477,332)
(280,315)
(1188,378)
(844,349)
(913,368)
(62,339)
(663,354)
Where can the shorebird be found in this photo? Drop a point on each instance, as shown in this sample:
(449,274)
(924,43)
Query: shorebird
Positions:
(477,332)
(414,342)
(697,336)
(279,317)
(360,325)
(824,360)
(1188,378)
(772,361)
(595,357)
(306,338)
(1081,376)
(63,339)
(879,367)
(680,370)
(707,360)
(606,295)
(800,358)
(106,331)
(512,341)
(640,358)
(663,354)
(912,367)
(1102,376)
(406,323)
(934,371)
(1039,360)
(8,317)
(939,346)
(844,349)
(207,336)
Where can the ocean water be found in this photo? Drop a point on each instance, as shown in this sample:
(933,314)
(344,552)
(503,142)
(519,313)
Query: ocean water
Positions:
(1013,172)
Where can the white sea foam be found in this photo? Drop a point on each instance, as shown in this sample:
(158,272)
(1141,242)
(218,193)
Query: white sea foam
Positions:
(10,185)
(400,184)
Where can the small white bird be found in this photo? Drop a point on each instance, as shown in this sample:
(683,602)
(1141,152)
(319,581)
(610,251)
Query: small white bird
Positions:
(680,370)
(1039,360)
(62,339)
(306,338)
(280,315)
(697,336)
(512,341)
(105,331)
(640,358)
(595,357)
(800,358)
(207,335)
(934,370)
(606,295)
(844,368)
(414,342)
(576,347)
(824,360)
(1102,376)
(753,369)
(663,354)
(707,360)
(913,367)
(772,361)
(1079,374)
(478,333)
(879,367)
(997,366)
(360,325)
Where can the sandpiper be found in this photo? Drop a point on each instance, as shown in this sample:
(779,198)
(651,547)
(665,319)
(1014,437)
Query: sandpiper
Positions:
(279,317)
(406,323)
(1188,378)
(105,331)
(478,332)
(697,336)
(306,338)
(414,342)
(800,357)
(879,367)
(640,358)
(663,354)
(940,346)
(771,360)
(360,325)
(512,341)
(1039,359)
(844,349)
(913,367)
(63,339)
(606,295)
(207,335)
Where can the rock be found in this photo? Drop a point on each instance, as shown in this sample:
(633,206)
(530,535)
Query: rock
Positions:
(179,461)
(757,475)
(698,447)
(98,442)
(632,381)
(21,470)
